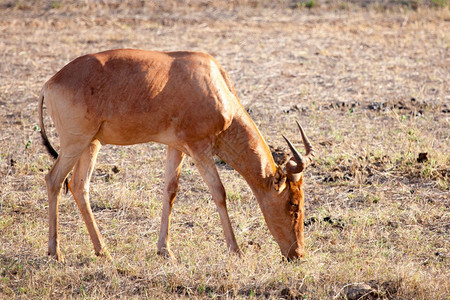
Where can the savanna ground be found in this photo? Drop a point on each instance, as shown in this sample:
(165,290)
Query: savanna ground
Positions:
(368,81)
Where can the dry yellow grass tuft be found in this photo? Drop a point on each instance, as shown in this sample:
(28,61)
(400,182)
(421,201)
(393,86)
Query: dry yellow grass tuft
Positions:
(369,85)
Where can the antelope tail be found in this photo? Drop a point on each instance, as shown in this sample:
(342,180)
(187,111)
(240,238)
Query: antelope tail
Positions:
(45,139)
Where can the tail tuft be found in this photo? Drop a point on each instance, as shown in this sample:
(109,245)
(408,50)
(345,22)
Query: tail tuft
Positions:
(45,140)
(48,146)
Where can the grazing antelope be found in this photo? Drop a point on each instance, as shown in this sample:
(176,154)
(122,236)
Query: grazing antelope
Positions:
(184,100)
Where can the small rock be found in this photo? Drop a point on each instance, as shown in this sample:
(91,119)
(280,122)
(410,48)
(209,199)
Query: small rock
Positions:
(439,256)
(355,104)
(310,221)
(293,109)
(400,105)
(336,223)
(286,293)
(360,291)
(423,157)
(329,178)
(419,113)
(189,224)
(376,106)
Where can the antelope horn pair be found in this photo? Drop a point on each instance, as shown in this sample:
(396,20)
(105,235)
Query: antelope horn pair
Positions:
(297,163)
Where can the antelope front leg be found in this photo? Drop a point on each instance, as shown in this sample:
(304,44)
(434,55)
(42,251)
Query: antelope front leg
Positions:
(172,175)
(204,161)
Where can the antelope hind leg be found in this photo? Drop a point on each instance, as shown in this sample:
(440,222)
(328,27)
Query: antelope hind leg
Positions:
(79,186)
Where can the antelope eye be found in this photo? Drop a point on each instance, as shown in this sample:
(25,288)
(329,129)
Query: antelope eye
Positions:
(293,205)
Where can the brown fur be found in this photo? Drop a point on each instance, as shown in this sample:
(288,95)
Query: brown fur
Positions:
(182,99)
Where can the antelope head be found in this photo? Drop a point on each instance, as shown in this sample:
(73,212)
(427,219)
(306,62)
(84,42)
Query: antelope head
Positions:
(287,214)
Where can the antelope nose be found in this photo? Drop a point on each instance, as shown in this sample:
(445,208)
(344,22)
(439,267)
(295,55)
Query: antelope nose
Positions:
(295,254)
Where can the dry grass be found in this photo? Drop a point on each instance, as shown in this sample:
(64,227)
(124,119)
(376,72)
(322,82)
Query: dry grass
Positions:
(371,89)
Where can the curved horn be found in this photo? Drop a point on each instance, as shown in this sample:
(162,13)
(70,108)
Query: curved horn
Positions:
(309,156)
(298,162)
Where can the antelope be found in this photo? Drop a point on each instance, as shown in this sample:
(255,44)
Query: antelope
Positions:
(184,100)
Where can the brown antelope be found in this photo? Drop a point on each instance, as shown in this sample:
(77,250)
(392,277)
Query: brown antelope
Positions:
(184,100)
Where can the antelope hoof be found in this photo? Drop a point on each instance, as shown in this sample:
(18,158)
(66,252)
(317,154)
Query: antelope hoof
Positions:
(56,254)
(167,254)
(104,253)
(238,252)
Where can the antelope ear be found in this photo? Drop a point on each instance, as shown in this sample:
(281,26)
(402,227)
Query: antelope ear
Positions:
(279,180)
